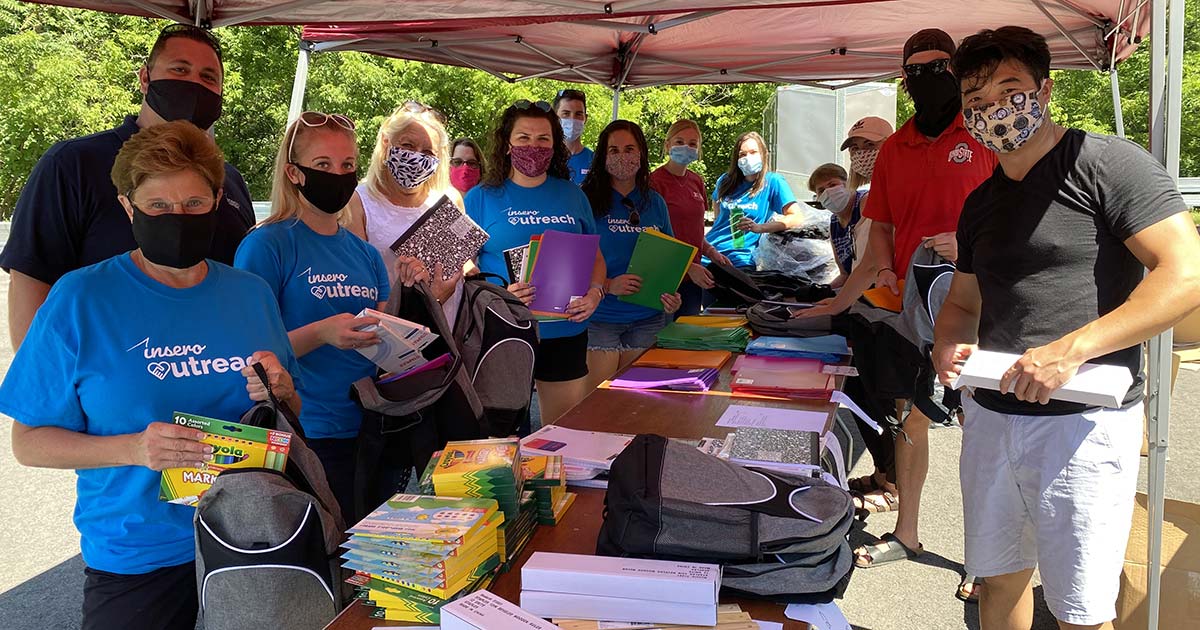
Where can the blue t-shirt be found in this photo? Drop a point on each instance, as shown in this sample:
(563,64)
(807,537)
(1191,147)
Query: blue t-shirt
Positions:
(580,164)
(617,240)
(739,246)
(68,215)
(512,214)
(842,238)
(113,350)
(315,276)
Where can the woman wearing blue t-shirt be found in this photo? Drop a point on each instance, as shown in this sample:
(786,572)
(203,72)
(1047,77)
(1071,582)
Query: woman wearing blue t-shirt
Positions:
(323,276)
(121,345)
(745,200)
(528,190)
(618,189)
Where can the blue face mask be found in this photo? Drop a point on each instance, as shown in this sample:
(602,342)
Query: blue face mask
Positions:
(683,155)
(750,164)
(572,128)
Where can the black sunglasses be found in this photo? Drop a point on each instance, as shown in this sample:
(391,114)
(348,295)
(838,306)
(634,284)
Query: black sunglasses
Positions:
(937,66)
(572,95)
(525,104)
(635,217)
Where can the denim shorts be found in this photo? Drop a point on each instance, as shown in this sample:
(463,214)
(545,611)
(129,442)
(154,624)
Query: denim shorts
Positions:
(620,337)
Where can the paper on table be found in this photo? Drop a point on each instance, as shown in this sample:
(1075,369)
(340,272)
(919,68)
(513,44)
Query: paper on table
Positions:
(820,616)
(1093,384)
(768,625)
(773,418)
(842,399)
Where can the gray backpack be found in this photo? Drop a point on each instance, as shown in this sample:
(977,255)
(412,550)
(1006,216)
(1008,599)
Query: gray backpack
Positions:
(267,541)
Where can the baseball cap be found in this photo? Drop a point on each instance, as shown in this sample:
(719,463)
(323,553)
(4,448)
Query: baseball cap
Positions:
(872,128)
(928,39)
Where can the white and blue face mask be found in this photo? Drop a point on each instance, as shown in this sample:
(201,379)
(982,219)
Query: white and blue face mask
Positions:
(683,155)
(572,128)
(750,164)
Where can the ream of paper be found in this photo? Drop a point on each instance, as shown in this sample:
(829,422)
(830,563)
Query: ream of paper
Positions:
(773,418)
(820,616)
(1093,384)
(840,397)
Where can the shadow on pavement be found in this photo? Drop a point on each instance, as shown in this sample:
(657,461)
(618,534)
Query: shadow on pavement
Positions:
(51,599)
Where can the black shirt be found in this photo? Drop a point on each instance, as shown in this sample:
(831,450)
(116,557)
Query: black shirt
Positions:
(1049,251)
(68,215)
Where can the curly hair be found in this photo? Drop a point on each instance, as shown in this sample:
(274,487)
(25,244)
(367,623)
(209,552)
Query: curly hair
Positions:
(499,162)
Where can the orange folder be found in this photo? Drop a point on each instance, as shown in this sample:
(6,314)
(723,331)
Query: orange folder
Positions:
(882,297)
(666,358)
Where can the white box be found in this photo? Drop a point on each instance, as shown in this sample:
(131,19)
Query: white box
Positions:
(1093,384)
(484,611)
(400,342)
(631,578)
(600,608)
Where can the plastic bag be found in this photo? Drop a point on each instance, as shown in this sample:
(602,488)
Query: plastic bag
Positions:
(796,253)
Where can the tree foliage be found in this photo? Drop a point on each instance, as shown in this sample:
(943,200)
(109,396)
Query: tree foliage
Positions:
(67,72)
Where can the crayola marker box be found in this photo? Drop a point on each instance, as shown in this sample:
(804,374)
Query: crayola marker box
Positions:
(234,445)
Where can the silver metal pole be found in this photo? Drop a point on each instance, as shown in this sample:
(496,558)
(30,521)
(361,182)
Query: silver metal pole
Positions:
(300,82)
(1118,112)
(616,102)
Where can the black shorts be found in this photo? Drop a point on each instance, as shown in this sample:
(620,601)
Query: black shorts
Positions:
(163,599)
(561,359)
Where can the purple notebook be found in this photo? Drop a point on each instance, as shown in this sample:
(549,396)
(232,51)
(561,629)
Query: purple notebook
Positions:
(562,271)
(688,380)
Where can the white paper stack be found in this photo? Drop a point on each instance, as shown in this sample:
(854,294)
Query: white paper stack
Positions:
(400,342)
(560,585)
(484,611)
(579,449)
(1093,384)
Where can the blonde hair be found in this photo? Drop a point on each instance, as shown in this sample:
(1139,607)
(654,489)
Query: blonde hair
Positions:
(379,179)
(680,125)
(168,148)
(286,202)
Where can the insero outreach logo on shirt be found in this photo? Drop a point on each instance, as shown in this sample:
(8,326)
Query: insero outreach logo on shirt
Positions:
(182,360)
(333,285)
(534,217)
(621,226)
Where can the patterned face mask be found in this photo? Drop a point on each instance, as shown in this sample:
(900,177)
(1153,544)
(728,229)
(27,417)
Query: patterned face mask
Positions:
(862,161)
(1008,123)
(410,168)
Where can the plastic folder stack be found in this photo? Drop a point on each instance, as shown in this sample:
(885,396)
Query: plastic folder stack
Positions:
(683,380)
(781,377)
(827,349)
(689,337)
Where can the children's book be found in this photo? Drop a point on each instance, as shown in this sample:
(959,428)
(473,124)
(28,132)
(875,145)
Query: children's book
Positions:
(427,519)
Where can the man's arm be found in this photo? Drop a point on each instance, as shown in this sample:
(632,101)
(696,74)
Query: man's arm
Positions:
(879,248)
(1170,291)
(956,331)
(25,295)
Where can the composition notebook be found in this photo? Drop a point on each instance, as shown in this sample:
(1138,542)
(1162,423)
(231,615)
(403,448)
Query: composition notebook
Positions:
(562,270)
(443,234)
(661,262)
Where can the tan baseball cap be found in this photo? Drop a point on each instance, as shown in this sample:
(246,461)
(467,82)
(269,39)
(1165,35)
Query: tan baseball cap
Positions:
(872,128)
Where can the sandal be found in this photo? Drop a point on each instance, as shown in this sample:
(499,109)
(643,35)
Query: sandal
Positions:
(889,549)
(864,485)
(875,502)
(968,589)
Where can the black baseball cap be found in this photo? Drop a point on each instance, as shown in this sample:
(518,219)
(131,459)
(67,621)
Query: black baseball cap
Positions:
(928,39)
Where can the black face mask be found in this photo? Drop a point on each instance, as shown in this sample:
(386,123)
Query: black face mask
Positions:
(174,99)
(327,192)
(174,240)
(937,100)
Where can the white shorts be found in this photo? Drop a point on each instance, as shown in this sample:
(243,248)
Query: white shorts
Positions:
(1056,493)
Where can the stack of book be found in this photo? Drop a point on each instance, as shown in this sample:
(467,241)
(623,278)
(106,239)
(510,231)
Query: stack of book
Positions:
(827,349)
(690,337)
(673,379)
(415,552)
(547,476)
(585,454)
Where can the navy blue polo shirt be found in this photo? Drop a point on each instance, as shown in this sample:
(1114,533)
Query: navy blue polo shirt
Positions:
(68,215)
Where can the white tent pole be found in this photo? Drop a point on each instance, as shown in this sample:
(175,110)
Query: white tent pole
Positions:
(300,83)
(1118,112)
(616,102)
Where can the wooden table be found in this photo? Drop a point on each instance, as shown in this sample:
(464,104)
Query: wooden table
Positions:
(671,414)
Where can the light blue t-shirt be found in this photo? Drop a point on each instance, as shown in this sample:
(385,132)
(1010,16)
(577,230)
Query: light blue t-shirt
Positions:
(113,350)
(580,164)
(315,276)
(617,240)
(739,246)
(512,214)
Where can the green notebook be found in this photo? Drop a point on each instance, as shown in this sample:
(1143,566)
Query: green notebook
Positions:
(661,262)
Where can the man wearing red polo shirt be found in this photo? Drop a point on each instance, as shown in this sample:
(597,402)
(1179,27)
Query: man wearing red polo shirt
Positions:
(923,173)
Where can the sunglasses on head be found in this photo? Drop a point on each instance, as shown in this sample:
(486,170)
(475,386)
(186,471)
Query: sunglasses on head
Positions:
(525,104)
(572,95)
(319,119)
(417,107)
(937,66)
(635,217)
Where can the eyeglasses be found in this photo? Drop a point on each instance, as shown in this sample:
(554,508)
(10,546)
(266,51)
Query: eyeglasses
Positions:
(937,66)
(318,119)
(460,162)
(194,205)
(524,105)
(417,107)
(635,217)
(571,95)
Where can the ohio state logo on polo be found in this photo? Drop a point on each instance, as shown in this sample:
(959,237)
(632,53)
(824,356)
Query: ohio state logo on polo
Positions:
(961,153)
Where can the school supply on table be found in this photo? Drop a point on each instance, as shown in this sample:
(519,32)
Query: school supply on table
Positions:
(443,234)
(777,381)
(729,617)
(547,476)
(661,262)
(234,446)
(489,469)
(620,589)
(737,416)
(797,452)
(581,449)
(771,364)
(667,358)
(516,259)
(400,342)
(562,271)
(685,380)
(713,321)
(484,611)
(1094,383)
(686,337)
(827,348)
(882,297)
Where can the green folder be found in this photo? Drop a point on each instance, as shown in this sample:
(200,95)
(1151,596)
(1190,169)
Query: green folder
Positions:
(661,262)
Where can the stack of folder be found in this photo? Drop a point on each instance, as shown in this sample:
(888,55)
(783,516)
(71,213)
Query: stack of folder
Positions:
(666,358)
(714,321)
(661,262)
(559,265)
(415,552)
(827,349)
(547,476)
(688,337)
(781,377)
(675,379)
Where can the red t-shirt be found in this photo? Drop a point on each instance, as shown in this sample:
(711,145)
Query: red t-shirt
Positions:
(686,200)
(919,185)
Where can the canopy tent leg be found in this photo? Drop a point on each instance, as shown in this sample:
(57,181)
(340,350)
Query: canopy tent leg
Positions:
(1118,112)
(616,103)
(300,83)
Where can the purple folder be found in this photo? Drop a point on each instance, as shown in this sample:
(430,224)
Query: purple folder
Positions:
(685,380)
(562,271)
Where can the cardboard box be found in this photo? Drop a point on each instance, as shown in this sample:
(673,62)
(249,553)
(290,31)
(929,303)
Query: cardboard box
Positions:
(1180,595)
(659,580)
(484,611)
(600,608)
